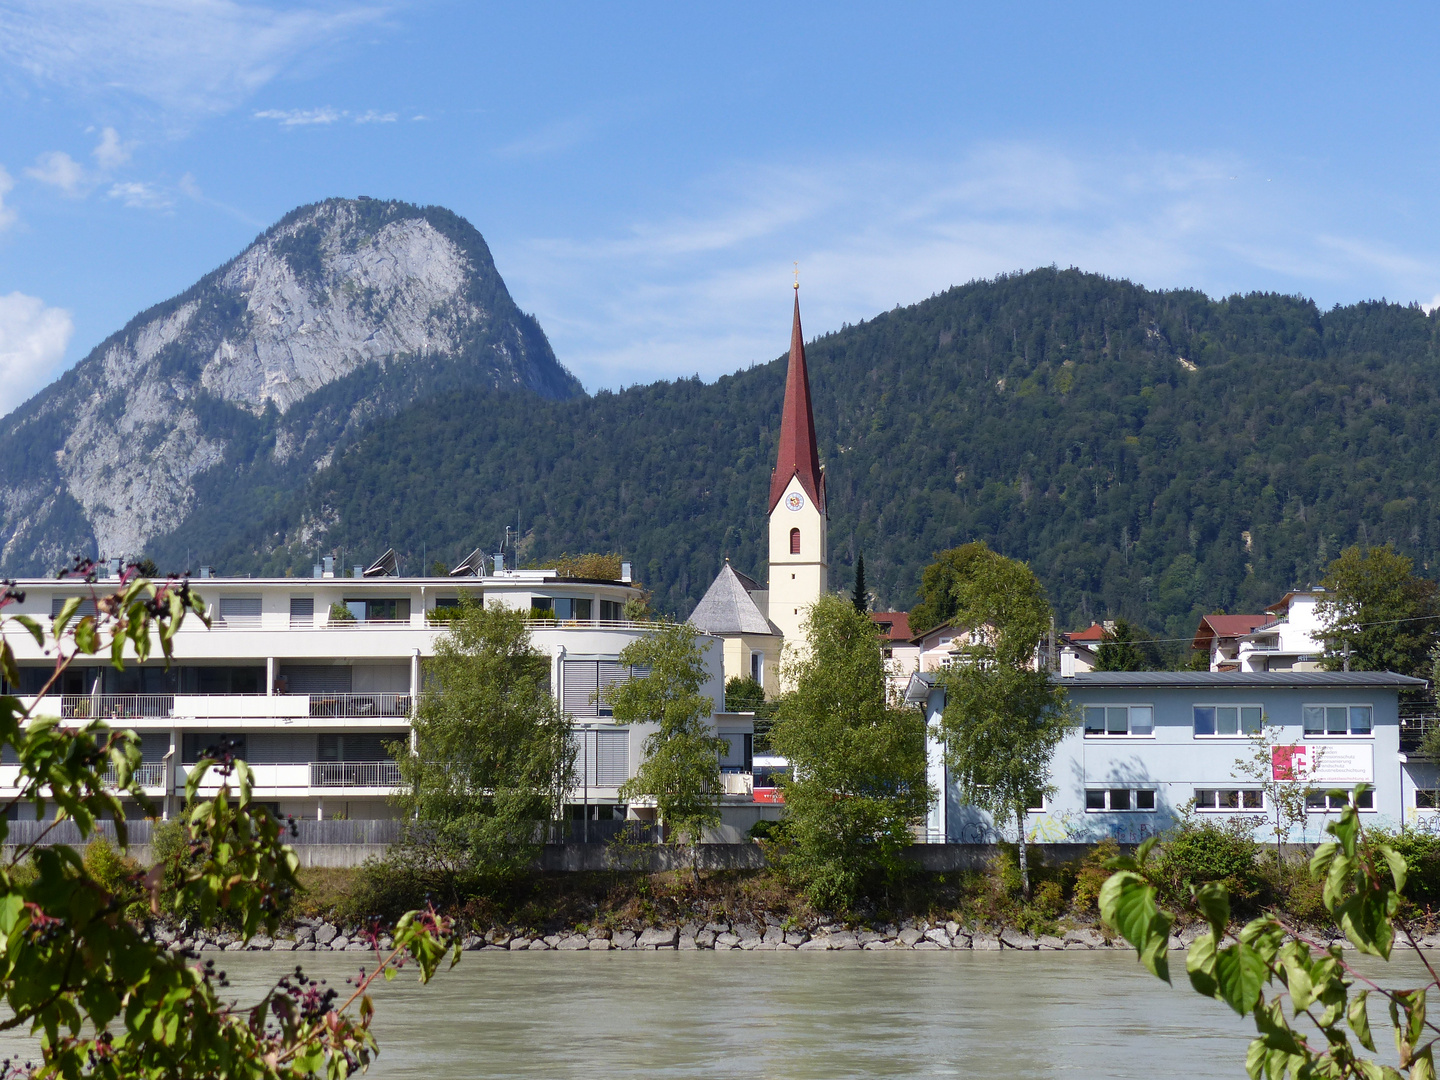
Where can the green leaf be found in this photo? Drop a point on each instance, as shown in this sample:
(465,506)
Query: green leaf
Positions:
(1239,973)
(1143,851)
(1200,965)
(1297,979)
(1398,868)
(1214,902)
(87,640)
(1127,903)
(36,631)
(1359,1019)
(1255,1058)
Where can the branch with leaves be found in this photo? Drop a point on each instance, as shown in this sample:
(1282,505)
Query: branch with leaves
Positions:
(1328,996)
(105,997)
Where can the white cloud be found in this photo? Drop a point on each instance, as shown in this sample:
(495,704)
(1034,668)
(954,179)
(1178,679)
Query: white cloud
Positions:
(550,139)
(7,215)
(301,117)
(141,195)
(33,338)
(58,169)
(190,57)
(111,153)
(700,285)
(323,115)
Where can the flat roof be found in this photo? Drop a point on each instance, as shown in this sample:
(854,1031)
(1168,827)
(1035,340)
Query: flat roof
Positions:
(1241,678)
(1201,679)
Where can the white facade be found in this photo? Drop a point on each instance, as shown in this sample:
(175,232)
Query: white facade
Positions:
(799,561)
(1289,641)
(316,702)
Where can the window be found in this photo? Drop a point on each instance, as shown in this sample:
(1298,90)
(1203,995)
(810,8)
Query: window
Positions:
(1427,799)
(397,610)
(1337,719)
(240,611)
(87,607)
(1119,799)
(1228,720)
(612,611)
(757,667)
(794,541)
(586,681)
(1119,720)
(1229,799)
(1321,801)
(302,612)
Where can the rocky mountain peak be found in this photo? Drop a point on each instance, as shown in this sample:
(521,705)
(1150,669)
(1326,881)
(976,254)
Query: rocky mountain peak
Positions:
(341,313)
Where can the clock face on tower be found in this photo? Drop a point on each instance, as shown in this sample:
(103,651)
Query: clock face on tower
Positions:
(795,501)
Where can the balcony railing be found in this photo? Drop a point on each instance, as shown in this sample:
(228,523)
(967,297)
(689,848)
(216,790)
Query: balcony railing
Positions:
(589,624)
(736,783)
(124,707)
(366,624)
(360,705)
(354,774)
(116,706)
(151,774)
(1413,729)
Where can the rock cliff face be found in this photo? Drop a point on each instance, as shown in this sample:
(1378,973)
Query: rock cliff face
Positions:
(344,312)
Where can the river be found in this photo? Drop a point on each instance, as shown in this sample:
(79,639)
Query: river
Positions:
(824,1016)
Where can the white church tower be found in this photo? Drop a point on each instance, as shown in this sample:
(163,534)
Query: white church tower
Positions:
(799,549)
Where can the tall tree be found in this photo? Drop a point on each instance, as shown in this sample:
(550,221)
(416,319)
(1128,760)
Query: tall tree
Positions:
(681,770)
(860,597)
(1119,650)
(1003,718)
(858,759)
(1379,611)
(493,752)
(937,586)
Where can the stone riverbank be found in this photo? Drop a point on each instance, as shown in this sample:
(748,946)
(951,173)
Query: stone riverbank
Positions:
(769,934)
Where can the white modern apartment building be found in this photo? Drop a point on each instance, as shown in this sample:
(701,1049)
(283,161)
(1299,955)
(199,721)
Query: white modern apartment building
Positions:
(1285,638)
(314,680)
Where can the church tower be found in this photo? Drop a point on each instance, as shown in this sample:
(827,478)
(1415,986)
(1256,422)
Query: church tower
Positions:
(799,549)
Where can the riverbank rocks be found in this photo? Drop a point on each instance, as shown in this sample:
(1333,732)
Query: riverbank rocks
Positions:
(1014,939)
(985,943)
(1083,939)
(659,938)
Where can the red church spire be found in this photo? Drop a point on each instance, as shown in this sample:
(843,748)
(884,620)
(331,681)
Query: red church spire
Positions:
(797,455)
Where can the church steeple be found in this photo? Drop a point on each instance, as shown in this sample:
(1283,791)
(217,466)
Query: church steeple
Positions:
(797,456)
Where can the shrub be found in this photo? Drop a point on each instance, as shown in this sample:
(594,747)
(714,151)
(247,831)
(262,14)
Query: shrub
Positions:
(1091,876)
(1208,850)
(1422,857)
(118,875)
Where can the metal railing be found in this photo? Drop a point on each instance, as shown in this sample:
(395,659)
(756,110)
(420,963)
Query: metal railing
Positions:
(116,706)
(1414,727)
(364,624)
(360,705)
(150,774)
(353,774)
(590,624)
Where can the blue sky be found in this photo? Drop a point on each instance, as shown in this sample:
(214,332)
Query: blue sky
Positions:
(646,174)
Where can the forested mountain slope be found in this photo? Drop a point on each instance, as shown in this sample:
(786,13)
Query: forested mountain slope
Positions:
(222,401)
(1152,454)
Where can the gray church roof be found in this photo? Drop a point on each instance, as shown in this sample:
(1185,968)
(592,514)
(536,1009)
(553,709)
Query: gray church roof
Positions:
(726,607)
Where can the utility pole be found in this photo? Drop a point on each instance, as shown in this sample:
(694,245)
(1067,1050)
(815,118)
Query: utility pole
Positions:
(1345,656)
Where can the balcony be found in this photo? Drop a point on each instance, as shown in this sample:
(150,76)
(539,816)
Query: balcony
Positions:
(354,774)
(296,778)
(148,775)
(126,707)
(737,783)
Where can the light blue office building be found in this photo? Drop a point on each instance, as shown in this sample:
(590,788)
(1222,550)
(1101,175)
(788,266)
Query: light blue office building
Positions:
(1148,745)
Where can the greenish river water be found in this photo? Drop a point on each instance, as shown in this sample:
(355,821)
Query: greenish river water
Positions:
(785,1015)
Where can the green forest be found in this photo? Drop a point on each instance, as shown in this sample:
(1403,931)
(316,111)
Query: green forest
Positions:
(1153,455)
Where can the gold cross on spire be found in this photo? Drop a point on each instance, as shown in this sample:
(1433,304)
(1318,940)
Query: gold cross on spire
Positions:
(797,275)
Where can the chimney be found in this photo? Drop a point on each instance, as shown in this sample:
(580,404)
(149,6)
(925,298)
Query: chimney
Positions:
(359,572)
(316,571)
(499,563)
(625,572)
(207,571)
(1067,662)
(329,570)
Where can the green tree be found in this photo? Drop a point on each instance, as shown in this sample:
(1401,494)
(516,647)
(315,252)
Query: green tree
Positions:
(1287,795)
(493,752)
(1003,718)
(1363,882)
(860,596)
(1119,650)
(107,999)
(681,770)
(857,756)
(1378,609)
(938,603)
(743,694)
